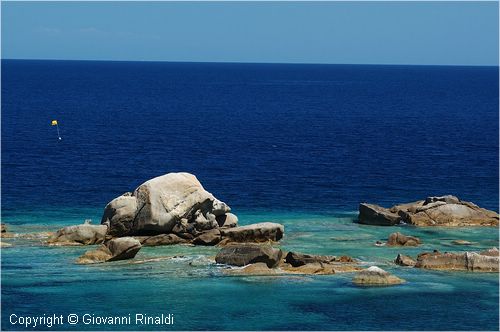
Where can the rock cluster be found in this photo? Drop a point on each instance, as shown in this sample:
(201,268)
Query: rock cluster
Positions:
(433,211)
(266,260)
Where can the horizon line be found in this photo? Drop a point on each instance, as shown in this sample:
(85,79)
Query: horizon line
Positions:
(260,62)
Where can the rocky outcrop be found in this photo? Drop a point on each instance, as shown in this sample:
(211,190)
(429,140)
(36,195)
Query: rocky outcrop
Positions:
(84,234)
(172,203)
(114,250)
(487,261)
(261,232)
(433,211)
(244,254)
(375,276)
(398,239)
(296,259)
(404,260)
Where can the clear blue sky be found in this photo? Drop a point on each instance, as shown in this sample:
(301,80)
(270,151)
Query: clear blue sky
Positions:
(322,32)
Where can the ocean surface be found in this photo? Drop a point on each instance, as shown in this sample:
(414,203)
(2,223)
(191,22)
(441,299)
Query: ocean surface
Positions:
(302,145)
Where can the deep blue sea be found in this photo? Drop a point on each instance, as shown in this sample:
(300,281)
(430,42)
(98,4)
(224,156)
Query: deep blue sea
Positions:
(298,144)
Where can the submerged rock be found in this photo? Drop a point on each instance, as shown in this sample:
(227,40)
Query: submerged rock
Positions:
(256,269)
(404,260)
(114,250)
(462,243)
(172,203)
(261,232)
(375,276)
(244,254)
(84,234)
(433,211)
(398,239)
(464,261)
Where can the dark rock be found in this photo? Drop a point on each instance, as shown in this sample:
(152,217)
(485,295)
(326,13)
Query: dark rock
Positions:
(371,214)
(244,254)
(297,259)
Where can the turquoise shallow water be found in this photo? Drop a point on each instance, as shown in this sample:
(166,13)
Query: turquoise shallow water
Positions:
(44,280)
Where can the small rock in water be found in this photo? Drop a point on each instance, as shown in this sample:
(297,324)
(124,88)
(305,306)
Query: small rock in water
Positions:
(398,239)
(404,260)
(375,276)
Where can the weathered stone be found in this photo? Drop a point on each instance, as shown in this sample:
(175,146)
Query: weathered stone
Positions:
(208,238)
(404,260)
(375,276)
(433,211)
(114,250)
(398,239)
(84,234)
(463,261)
(261,232)
(244,254)
(371,214)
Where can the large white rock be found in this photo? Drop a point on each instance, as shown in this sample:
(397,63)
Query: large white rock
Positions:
(175,202)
